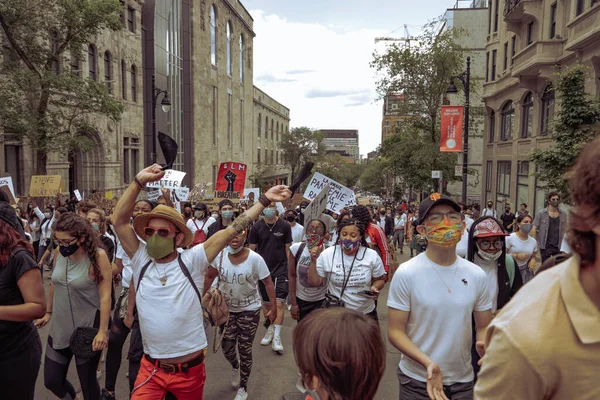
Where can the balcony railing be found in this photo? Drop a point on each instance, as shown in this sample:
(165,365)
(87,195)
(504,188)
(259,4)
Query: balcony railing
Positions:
(510,5)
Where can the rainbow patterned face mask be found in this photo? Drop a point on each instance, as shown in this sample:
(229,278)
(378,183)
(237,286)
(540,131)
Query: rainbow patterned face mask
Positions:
(444,234)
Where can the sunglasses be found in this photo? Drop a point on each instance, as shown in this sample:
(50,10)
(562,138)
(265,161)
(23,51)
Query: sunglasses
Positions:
(65,244)
(242,233)
(162,232)
(486,244)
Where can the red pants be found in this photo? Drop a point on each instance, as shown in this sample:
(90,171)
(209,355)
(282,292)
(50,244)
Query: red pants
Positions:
(185,386)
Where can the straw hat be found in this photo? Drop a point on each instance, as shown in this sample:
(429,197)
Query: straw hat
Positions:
(167,213)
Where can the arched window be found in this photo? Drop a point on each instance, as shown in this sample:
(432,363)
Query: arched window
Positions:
(134,84)
(123,80)
(492,126)
(527,116)
(228,48)
(547,110)
(92,61)
(213,35)
(508,121)
(267,127)
(241,58)
(108,71)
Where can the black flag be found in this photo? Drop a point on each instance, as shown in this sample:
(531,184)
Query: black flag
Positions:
(169,149)
(302,176)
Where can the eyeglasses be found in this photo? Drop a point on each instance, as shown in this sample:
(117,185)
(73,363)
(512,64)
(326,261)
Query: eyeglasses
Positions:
(62,243)
(162,232)
(242,233)
(555,199)
(436,218)
(485,244)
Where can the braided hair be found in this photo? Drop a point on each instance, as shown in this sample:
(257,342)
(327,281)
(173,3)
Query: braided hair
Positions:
(78,227)
(353,222)
(362,214)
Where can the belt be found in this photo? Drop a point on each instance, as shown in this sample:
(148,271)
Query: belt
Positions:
(173,368)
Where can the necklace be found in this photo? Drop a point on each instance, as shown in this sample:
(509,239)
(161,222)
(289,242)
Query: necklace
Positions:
(439,276)
(270,226)
(163,279)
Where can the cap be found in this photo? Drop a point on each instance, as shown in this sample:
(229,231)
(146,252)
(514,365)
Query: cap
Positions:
(487,228)
(433,200)
(225,202)
(200,206)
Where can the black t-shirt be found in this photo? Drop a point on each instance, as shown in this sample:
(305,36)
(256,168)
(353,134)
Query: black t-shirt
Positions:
(270,243)
(553,234)
(14,336)
(507,219)
(109,246)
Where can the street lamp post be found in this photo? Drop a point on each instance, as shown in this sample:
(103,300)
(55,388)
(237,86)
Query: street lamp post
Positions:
(465,78)
(165,105)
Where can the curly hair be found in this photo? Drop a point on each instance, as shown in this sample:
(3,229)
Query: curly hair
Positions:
(100,213)
(361,213)
(78,227)
(9,240)
(85,206)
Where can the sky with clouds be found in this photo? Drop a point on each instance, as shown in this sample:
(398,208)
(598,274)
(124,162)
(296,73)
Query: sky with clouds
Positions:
(313,56)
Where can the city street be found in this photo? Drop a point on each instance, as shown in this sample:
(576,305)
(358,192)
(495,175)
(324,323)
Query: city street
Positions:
(273,376)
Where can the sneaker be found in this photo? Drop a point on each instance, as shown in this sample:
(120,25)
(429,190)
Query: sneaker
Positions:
(241,394)
(107,396)
(268,336)
(235,378)
(277,346)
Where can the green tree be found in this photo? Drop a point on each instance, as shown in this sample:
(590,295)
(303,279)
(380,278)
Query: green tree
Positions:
(299,146)
(261,178)
(372,178)
(335,167)
(575,124)
(52,111)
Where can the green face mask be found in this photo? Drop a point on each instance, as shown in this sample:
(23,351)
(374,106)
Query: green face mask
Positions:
(159,247)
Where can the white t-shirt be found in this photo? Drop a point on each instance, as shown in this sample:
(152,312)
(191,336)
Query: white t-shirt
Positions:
(192,226)
(440,322)
(462,247)
(381,222)
(239,283)
(127,272)
(171,318)
(400,221)
(367,265)
(491,272)
(515,245)
(468,222)
(487,212)
(297,233)
(303,289)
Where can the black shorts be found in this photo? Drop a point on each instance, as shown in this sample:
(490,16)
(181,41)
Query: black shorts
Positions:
(281,288)
(305,307)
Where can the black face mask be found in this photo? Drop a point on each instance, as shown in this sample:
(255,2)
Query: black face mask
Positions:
(490,205)
(382,212)
(187,214)
(67,251)
(290,218)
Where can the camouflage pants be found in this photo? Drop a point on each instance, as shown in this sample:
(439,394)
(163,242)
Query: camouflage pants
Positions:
(241,329)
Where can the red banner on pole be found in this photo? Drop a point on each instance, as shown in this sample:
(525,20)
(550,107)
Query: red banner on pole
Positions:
(231,177)
(451,129)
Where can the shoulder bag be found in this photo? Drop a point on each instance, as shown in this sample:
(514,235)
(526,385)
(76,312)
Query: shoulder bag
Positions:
(331,300)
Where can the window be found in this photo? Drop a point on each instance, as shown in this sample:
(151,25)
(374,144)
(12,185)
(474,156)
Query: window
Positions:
(507,122)
(488,179)
(496,7)
(272,134)
(241,58)
(131,157)
(487,66)
(123,80)
(55,43)
(92,62)
(258,156)
(505,65)
(267,127)
(503,180)
(547,110)
(530,33)
(492,126)
(229,133)
(552,21)
(277,131)
(133,83)
(522,182)
(75,66)
(108,71)
(241,123)
(214,100)
(131,19)
(122,14)
(228,48)
(513,50)
(489,19)
(493,78)
(527,116)
(12,165)
(272,157)
(213,35)
(259,126)
(579,7)
(277,158)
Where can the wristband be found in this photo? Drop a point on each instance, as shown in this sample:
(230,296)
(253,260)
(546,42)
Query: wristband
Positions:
(48,312)
(138,183)
(264,200)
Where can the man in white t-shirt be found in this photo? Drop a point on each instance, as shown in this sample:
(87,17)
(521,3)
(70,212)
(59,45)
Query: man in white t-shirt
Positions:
(167,284)
(431,302)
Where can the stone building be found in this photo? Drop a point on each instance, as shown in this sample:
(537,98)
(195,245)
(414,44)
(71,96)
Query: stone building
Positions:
(528,42)
(392,117)
(345,140)
(271,120)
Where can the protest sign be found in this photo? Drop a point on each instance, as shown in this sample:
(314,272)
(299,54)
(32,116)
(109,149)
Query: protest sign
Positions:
(7,181)
(44,185)
(317,206)
(153,195)
(231,177)
(251,194)
(339,196)
(180,194)
(228,195)
(171,180)
(9,194)
(109,195)
(77,195)
(280,208)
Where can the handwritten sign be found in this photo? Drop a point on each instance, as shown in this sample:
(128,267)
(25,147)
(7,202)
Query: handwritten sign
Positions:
(153,195)
(171,180)
(77,195)
(109,195)
(227,195)
(339,196)
(180,194)
(317,206)
(7,181)
(251,194)
(44,185)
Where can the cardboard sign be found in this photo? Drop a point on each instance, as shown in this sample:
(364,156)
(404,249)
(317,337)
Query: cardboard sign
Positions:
(7,181)
(231,177)
(171,180)
(251,194)
(11,198)
(77,195)
(317,206)
(339,196)
(44,185)
(180,194)
(153,195)
(364,201)
(109,195)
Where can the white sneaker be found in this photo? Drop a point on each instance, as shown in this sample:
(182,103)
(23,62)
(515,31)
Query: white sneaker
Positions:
(276,345)
(235,378)
(241,394)
(268,336)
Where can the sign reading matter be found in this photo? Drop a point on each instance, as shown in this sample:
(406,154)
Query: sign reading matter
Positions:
(44,185)
(171,180)
(339,196)
(317,206)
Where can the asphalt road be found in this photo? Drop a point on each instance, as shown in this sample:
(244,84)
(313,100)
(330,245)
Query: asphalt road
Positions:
(273,376)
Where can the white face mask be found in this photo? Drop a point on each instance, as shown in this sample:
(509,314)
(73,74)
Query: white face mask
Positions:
(231,250)
(489,256)
(215,215)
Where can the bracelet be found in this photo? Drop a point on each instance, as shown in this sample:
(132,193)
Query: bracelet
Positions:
(48,312)
(294,307)
(264,200)
(137,182)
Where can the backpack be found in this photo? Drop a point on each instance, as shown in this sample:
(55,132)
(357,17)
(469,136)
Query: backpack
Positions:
(199,235)
(510,269)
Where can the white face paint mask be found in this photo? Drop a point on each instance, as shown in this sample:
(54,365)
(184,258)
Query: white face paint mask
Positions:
(489,256)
